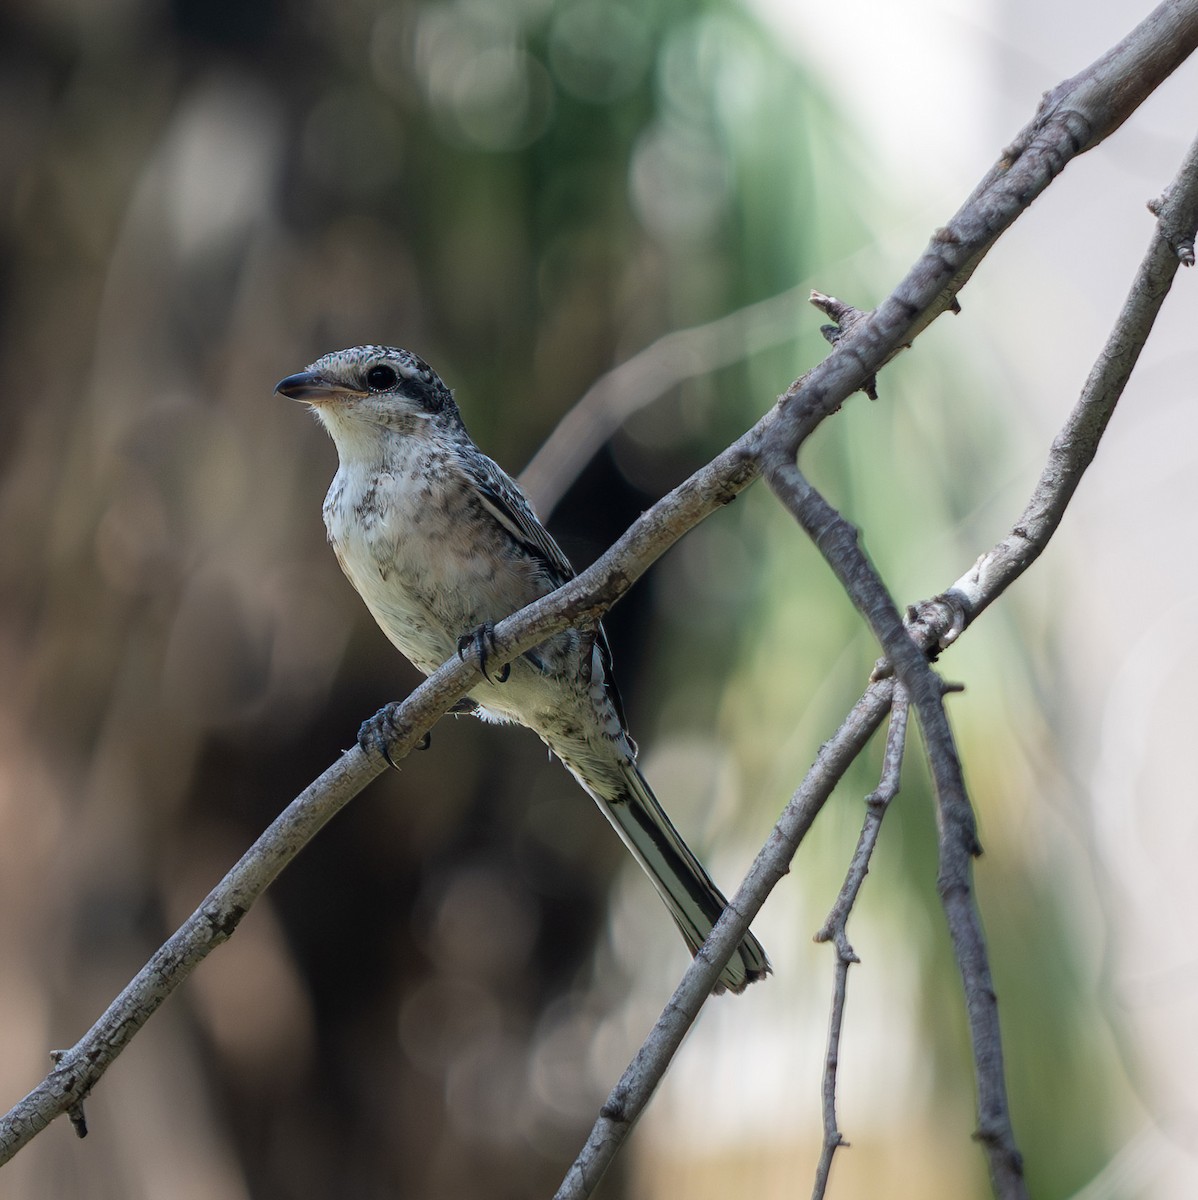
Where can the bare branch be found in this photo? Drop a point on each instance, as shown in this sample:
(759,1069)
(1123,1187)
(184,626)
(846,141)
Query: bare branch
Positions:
(835,928)
(876,804)
(676,356)
(833,1138)
(77,1070)
(1074,448)
(1042,149)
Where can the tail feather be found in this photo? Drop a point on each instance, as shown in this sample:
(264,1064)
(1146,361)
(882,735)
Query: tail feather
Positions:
(692,897)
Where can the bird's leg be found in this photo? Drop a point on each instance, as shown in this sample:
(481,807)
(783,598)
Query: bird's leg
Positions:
(482,641)
(586,651)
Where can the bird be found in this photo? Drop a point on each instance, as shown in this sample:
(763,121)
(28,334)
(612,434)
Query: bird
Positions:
(440,543)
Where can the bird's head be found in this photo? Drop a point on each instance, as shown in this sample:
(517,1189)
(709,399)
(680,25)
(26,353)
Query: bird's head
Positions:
(372,388)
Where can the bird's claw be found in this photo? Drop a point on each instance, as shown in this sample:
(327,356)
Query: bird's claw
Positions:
(482,642)
(378,732)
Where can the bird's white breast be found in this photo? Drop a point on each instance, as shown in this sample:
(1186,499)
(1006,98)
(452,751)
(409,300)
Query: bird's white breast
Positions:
(408,537)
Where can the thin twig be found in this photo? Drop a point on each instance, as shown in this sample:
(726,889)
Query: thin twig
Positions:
(876,804)
(833,1138)
(633,385)
(835,928)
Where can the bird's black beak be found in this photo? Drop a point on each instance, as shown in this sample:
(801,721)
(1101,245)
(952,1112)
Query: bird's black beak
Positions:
(307,385)
(312,388)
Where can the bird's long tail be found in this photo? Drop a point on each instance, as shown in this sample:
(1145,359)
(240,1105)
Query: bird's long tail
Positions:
(692,897)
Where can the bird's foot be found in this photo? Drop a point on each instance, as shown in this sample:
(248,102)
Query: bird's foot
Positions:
(482,642)
(379,732)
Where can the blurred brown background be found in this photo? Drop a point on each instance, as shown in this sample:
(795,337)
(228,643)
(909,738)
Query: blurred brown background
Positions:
(199,198)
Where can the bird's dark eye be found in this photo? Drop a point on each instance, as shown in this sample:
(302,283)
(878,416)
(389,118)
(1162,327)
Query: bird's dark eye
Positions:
(381,378)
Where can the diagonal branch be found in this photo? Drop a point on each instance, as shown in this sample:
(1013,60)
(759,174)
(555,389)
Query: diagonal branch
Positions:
(1074,448)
